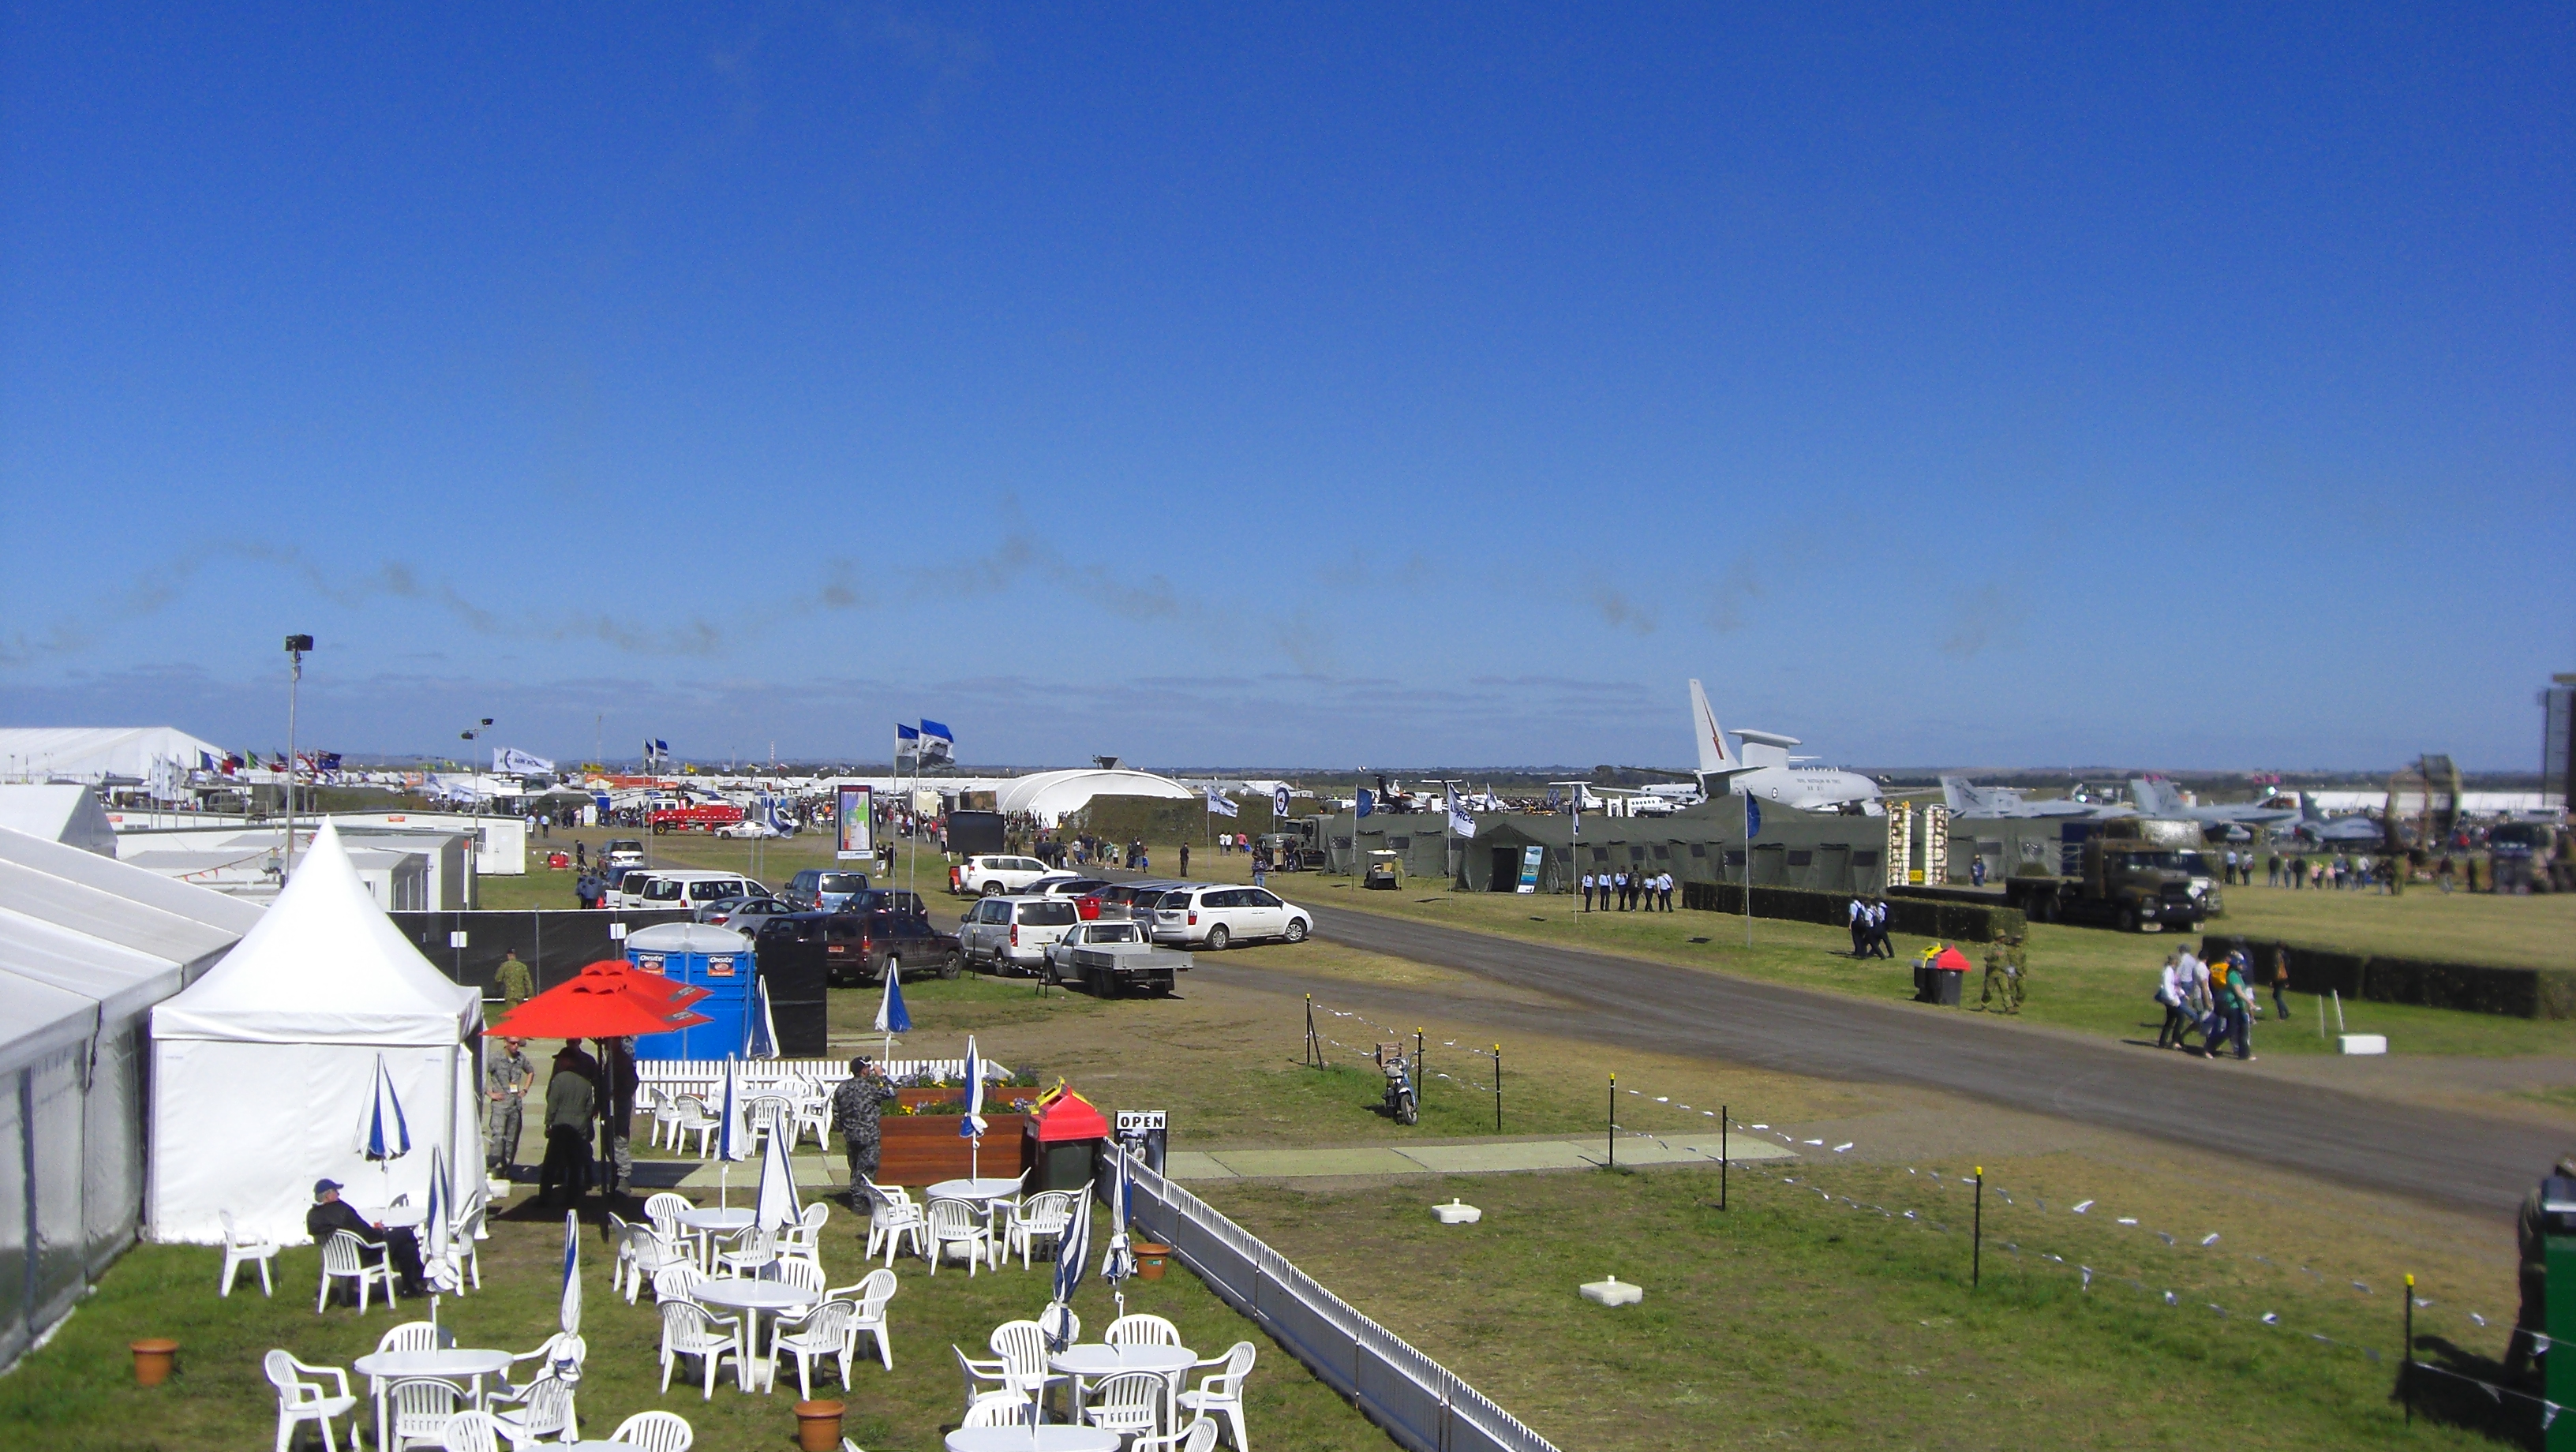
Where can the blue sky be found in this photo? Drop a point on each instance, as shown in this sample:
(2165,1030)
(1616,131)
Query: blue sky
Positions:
(1335,386)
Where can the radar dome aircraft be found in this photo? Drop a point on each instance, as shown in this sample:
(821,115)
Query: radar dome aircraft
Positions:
(1765,770)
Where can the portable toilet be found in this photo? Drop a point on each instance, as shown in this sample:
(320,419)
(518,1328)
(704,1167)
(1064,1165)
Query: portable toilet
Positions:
(701,955)
(1060,1141)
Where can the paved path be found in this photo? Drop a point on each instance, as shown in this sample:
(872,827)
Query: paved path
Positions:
(2451,1158)
(1490,1157)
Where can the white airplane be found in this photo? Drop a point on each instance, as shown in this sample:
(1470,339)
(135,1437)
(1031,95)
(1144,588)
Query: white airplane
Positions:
(1764,769)
(1976,803)
(2159,799)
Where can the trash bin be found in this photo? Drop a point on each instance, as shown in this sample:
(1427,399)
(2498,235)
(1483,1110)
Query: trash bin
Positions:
(1060,1142)
(1945,986)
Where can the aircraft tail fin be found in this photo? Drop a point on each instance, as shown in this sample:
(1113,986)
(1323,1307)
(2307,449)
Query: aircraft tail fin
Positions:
(2150,797)
(1961,797)
(1713,755)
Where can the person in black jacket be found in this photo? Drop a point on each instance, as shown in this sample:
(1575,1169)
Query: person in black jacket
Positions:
(331,1215)
(614,1097)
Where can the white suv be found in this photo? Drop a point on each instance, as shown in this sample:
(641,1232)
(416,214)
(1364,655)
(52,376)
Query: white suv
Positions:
(1014,932)
(1217,916)
(986,876)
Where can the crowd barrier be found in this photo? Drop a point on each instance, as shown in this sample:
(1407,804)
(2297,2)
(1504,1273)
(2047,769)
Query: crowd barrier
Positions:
(704,1076)
(1420,1403)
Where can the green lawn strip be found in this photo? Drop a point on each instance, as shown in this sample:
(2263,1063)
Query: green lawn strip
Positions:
(78,1391)
(1786,1320)
(2086,979)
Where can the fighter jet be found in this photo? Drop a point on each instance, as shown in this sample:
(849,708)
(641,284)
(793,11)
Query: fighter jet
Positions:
(2315,826)
(1978,803)
(1764,768)
(2156,799)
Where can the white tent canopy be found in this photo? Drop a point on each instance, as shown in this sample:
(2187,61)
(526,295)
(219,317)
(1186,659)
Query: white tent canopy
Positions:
(87,946)
(1048,795)
(262,1067)
(70,815)
(95,753)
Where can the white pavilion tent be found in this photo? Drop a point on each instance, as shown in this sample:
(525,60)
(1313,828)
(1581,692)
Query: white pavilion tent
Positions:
(87,946)
(262,1068)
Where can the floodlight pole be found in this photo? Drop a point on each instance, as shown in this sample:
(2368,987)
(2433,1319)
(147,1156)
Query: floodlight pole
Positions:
(296,645)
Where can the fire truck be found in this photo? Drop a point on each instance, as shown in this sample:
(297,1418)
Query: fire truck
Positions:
(693,817)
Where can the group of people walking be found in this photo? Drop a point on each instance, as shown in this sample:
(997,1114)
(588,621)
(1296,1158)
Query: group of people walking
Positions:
(2218,1001)
(1869,928)
(1633,891)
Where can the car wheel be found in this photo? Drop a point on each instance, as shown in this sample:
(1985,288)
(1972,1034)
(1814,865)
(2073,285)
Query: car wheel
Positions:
(952,965)
(1296,930)
(992,889)
(1099,984)
(2128,920)
(1217,937)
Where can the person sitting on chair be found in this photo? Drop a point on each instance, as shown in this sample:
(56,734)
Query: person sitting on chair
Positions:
(331,1215)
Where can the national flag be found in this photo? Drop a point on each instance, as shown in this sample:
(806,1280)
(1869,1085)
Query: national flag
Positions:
(1364,803)
(938,743)
(1219,806)
(1460,824)
(907,742)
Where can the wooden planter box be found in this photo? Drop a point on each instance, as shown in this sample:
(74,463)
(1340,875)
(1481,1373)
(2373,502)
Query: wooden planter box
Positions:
(922,1149)
(994,1095)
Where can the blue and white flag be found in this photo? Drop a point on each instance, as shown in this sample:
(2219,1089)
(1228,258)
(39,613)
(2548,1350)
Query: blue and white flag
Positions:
(891,1015)
(1219,806)
(907,742)
(972,1126)
(938,743)
(1460,824)
(511,761)
(1364,803)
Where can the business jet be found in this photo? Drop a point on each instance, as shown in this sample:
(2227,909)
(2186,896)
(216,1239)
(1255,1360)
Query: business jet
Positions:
(1764,769)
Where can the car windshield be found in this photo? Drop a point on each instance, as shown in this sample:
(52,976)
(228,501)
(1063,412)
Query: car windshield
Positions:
(841,882)
(1046,914)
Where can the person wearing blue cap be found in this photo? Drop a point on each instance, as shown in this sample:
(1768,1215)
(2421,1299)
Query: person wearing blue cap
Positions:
(330,1215)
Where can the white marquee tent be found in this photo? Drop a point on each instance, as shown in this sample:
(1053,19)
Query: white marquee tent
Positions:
(1048,795)
(261,1070)
(67,814)
(87,946)
(95,753)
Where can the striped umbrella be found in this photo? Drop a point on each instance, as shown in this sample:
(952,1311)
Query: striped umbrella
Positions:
(571,1313)
(1070,1253)
(777,1207)
(437,1265)
(384,1134)
(1120,1261)
(764,1026)
(971,1127)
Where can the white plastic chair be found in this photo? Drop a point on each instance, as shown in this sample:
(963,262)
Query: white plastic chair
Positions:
(299,1400)
(984,1380)
(1222,1394)
(621,1236)
(419,1407)
(648,1255)
(956,1223)
(770,1114)
(752,1249)
(894,1218)
(814,1112)
(821,1332)
(559,1355)
(695,1119)
(344,1258)
(1043,1217)
(544,1406)
(1022,1347)
(1129,1403)
(654,1432)
(687,1330)
(873,1291)
(1198,1436)
(470,1432)
(677,1281)
(415,1336)
(241,1250)
(1141,1330)
(664,1209)
(805,1237)
(804,1275)
(665,1109)
(464,1248)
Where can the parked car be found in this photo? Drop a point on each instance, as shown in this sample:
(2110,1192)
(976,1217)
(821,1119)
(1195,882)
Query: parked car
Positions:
(857,948)
(1012,933)
(824,889)
(986,876)
(690,888)
(1066,886)
(1106,956)
(744,914)
(623,852)
(1135,899)
(1219,916)
(747,828)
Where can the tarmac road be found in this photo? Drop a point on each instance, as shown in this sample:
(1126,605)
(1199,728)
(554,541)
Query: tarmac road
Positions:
(2442,1156)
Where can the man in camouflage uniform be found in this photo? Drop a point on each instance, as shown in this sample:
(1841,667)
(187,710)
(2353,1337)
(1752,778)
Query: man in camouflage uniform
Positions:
(1998,979)
(513,981)
(855,1107)
(506,1077)
(2017,970)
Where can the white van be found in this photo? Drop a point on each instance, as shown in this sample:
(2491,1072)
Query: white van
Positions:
(1212,917)
(680,889)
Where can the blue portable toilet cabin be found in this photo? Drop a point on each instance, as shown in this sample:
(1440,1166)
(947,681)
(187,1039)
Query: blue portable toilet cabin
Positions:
(703,956)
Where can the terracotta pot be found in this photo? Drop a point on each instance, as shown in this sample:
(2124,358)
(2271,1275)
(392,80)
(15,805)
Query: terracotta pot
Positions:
(818,1426)
(154,1359)
(1149,1259)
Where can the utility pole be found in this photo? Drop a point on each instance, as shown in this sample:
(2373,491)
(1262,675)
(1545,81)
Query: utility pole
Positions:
(296,646)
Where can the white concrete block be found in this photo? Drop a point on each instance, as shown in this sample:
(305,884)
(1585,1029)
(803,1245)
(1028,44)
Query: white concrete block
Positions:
(2365,1043)
(1613,1292)
(1455,1213)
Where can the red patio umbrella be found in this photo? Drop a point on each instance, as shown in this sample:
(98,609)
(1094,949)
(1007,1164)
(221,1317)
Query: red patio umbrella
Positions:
(605,1000)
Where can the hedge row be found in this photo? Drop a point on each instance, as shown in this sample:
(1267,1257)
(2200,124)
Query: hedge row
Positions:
(2470,987)
(1956,922)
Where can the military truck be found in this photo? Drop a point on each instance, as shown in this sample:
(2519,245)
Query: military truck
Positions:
(2134,874)
(1298,849)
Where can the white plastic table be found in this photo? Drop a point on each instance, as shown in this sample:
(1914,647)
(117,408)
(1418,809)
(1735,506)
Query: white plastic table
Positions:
(1089,1361)
(1048,1437)
(983,1193)
(751,1298)
(454,1363)
(711,1223)
(393,1217)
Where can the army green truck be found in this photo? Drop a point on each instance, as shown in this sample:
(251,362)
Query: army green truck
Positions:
(2134,874)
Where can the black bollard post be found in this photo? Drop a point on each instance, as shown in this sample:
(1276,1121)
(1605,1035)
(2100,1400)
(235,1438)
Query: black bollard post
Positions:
(1498,1088)
(2406,1362)
(1421,1071)
(1977,1233)
(1722,1117)
(1614,1121)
